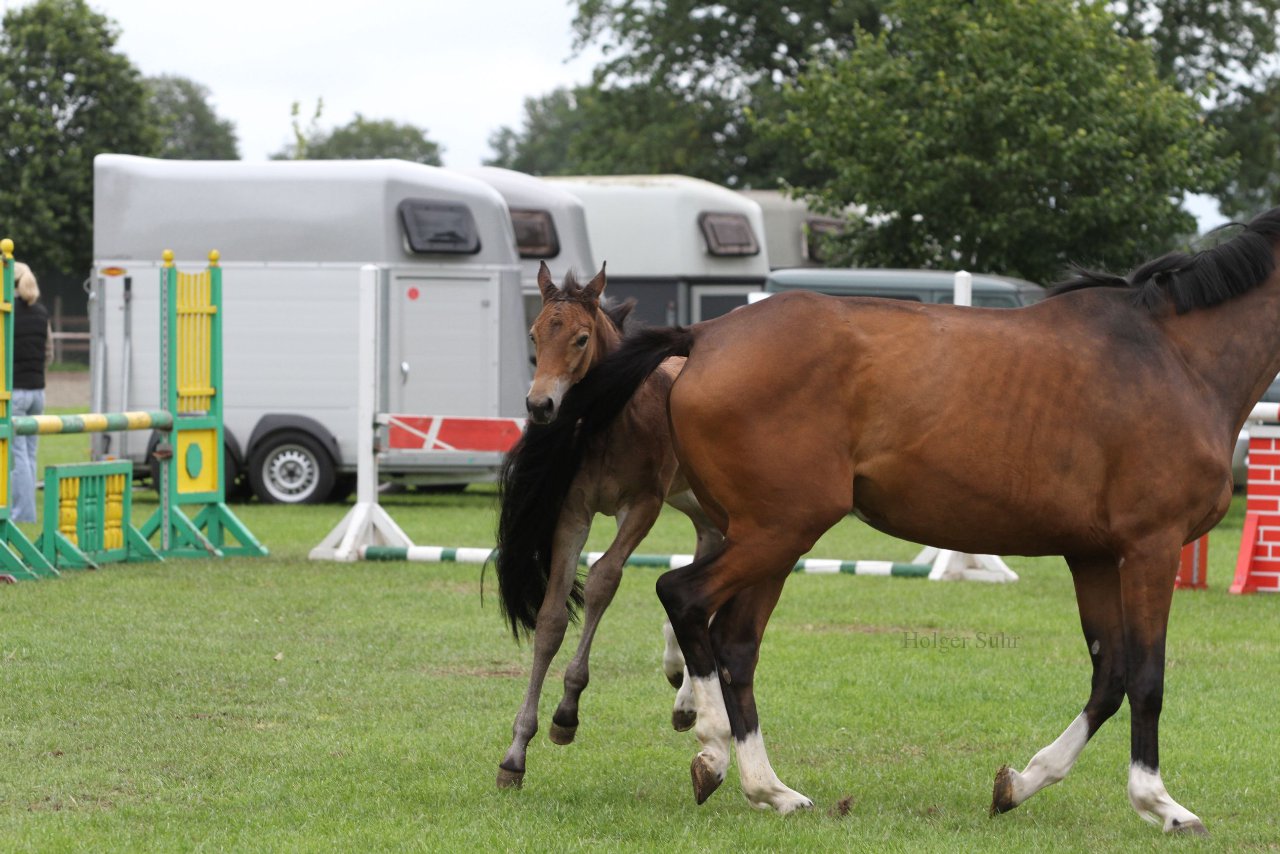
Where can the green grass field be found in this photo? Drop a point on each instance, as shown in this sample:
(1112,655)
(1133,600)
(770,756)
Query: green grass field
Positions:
(284,705)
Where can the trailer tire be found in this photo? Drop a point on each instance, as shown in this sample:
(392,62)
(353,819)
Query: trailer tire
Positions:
(291,467)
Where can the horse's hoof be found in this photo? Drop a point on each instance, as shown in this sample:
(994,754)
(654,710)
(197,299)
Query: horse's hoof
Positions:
(676,679)
(508,779)
(1002,793)
(562,734)
(1188,828)
(705,780)
(682,720)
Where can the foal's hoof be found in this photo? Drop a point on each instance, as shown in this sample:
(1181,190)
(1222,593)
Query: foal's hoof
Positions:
(705,779)
(1188,828)
(682,720)
(1002,793)
(562,734)
(508,779)
(676,679)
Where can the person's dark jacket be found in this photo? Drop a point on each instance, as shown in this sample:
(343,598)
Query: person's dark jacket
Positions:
(30,340)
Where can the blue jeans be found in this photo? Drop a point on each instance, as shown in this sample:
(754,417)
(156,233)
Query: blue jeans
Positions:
(22,480)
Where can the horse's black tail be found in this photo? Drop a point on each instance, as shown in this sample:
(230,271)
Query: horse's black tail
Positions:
(539,470)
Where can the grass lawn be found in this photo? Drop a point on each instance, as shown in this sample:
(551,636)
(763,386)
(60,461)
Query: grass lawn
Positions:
(283,705)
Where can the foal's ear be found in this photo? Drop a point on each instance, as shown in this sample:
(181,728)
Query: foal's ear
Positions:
(595,287)
(545,284)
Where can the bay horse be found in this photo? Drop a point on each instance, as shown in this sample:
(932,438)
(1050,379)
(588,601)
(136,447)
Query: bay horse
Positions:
(1097,424)
(627,472)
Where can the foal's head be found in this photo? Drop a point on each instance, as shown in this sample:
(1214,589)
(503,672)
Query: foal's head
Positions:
(570,335)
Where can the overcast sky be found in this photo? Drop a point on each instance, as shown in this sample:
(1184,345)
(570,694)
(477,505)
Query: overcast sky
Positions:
(458,69)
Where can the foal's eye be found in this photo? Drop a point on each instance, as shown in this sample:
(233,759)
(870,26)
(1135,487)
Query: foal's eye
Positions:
(582,340)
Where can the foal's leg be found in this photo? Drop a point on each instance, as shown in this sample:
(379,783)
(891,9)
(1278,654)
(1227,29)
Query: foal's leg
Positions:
(1097,584)
(1146,587)
(553,618)
(634,523)
(709,539)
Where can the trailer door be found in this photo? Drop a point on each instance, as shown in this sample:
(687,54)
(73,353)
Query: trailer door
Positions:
(442,356)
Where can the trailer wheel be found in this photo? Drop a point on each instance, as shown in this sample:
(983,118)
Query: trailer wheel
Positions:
(291,467)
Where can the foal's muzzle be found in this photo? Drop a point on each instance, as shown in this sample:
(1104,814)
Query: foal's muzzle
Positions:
(541,411)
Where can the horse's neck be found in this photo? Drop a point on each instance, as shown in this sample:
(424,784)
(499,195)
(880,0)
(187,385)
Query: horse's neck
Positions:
(607,336)
(1234,346)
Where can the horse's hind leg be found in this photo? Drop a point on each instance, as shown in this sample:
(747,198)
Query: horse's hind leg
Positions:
(634,523)
(1146,586)
(1097,583)
(709,539)
(691,596)
(553,619)
(735,636)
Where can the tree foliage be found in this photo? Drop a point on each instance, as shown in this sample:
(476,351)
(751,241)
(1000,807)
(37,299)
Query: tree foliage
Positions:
(189,127)
(1199,44)
(622,130)
(66,95)
(1251,130)
(1002,136)
(362,139)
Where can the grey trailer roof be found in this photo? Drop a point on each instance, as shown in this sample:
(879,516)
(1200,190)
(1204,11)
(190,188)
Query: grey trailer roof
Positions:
(319,211)
(526,192)
(647,225)
(832,279)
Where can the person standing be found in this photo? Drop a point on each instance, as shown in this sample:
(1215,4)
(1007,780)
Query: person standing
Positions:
(30,344)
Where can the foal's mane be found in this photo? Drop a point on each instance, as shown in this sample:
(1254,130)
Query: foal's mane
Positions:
(617,312)
(1199,280)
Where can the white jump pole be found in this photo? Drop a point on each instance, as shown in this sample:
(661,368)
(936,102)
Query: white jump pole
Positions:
(366,524)
(950,565)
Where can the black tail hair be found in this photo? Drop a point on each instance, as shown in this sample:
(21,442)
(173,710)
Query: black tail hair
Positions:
(539,470)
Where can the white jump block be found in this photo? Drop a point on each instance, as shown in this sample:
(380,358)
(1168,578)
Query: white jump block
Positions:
(950,565)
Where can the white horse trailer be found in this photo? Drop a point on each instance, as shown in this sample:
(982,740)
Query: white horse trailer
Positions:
(792,231)
(293,236)
(550,225)
(686,249)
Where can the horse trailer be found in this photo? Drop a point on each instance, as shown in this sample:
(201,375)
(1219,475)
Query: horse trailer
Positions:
(685,249)
(292,237)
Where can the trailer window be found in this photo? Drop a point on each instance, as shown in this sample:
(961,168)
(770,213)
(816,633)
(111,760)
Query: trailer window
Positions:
(432,228)
(816,231)
(728,234)
(535,233)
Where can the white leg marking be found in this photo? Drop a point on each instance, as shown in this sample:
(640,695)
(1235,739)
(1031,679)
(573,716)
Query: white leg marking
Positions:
(712,727)
(1053,762)
(761,786)
(1149,798)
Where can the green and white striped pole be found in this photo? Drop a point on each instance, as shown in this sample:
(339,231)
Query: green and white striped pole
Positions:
(809,566)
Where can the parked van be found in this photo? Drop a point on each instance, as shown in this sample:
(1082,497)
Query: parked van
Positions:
(792,231)
(293,236)
(686,249)
(918,285)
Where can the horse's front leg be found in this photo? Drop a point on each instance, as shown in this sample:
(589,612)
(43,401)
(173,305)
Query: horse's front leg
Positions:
(553,619)
(634,522)
(1097,583)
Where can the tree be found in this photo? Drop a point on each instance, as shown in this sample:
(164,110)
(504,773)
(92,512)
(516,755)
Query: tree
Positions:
(362,139)
(1002,136)
(1199,44)
(66,95)
(716,65)
(1251,129)
(621,130)
(188,126)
